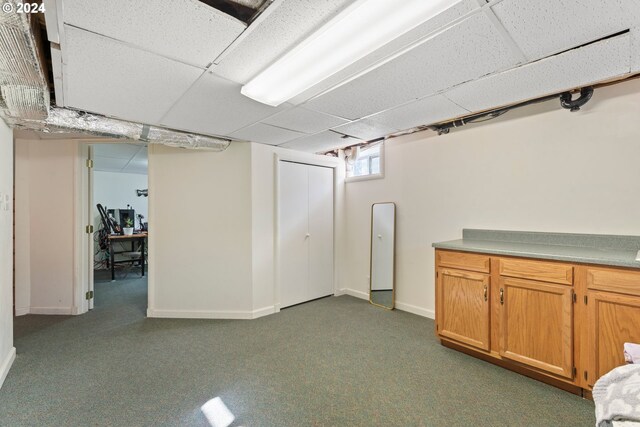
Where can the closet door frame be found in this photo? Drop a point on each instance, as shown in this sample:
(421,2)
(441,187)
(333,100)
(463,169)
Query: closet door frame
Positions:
(338,176)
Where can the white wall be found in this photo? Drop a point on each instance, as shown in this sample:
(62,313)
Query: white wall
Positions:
(45,211)
(7,351)
(116,189)
(550,171)
(200,232)
(220,261)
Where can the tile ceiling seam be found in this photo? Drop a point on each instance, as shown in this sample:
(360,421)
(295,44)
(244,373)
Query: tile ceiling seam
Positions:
(515,49)
(276,126)
(137,47)
(181,97)
(244,34)
(131,158)
(444,95)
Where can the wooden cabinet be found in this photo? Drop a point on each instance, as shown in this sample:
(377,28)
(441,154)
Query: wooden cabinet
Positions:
(614,319)
(463,314)
(613,301)
(536,325)
(555,321)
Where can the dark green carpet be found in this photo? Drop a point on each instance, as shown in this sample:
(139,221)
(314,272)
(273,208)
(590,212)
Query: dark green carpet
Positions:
(332,362)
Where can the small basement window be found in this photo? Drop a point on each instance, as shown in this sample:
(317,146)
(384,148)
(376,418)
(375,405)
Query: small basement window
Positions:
(365,162)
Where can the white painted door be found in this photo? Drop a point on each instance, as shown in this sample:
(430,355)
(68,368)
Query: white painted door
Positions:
(292,229)
(305,232)
(320,231)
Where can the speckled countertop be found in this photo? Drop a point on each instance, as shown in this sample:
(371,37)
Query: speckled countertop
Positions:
(579,248)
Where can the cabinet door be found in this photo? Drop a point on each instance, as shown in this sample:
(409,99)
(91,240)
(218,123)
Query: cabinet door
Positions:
(463,302)
(613,320)
(536,325)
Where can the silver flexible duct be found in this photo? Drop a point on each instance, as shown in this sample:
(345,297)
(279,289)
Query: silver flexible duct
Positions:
(25,103)
(63,120)
(23,89)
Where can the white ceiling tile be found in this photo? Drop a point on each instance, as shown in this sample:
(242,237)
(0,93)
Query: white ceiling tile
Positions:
(633,9)
(405,41)
(109,163)
(140,170)
(141,156)
(104,76)
(215,106)
(288,23)
(635,49)
(426,111)
(469,50)
(365,129)
(188,31)
(266,134)
(321,142)
(116,151)
(579,67)
(303,120)
(544,27)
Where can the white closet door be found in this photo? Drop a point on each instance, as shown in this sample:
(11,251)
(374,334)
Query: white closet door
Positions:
(320,231)
(293,229)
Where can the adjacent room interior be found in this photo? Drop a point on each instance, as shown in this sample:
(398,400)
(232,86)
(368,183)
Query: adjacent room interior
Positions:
(347,213)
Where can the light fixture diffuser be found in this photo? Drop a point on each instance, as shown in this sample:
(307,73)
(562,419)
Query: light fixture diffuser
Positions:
(362,28)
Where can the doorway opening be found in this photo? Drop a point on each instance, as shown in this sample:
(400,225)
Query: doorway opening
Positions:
(118,199)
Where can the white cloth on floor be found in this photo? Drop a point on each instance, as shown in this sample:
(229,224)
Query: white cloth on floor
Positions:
(617,397)
(632,352)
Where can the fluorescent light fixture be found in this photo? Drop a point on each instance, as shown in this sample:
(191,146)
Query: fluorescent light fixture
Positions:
(362,28)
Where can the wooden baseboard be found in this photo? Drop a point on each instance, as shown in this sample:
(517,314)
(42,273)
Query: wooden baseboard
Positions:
(574,389)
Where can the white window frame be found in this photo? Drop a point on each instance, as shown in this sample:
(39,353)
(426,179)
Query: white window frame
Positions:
(371,176)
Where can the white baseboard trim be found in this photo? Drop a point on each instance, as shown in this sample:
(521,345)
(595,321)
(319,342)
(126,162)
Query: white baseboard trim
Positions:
(6,365)
(415,310)
(199,314)
(399,305)
(51,310)
(264,311)
(22,311)
(354,293)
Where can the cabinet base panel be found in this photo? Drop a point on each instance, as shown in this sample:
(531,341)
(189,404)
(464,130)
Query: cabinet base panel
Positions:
(516,368)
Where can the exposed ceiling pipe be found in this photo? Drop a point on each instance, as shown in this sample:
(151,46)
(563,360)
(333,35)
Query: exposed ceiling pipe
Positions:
(25,103)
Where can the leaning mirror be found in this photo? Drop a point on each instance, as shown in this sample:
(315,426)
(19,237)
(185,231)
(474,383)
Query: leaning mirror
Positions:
(383,224)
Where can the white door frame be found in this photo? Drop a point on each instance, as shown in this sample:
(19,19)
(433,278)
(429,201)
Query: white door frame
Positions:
(83,248)
(83,263)
(312,160)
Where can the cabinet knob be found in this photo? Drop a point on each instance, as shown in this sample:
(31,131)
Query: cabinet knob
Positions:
(307,235)
(485,293)
(501,296)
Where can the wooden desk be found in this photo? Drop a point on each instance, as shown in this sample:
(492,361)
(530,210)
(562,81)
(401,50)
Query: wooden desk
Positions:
(137,237)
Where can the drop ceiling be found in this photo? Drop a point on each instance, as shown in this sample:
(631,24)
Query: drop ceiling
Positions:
(121,158)
(183,67)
